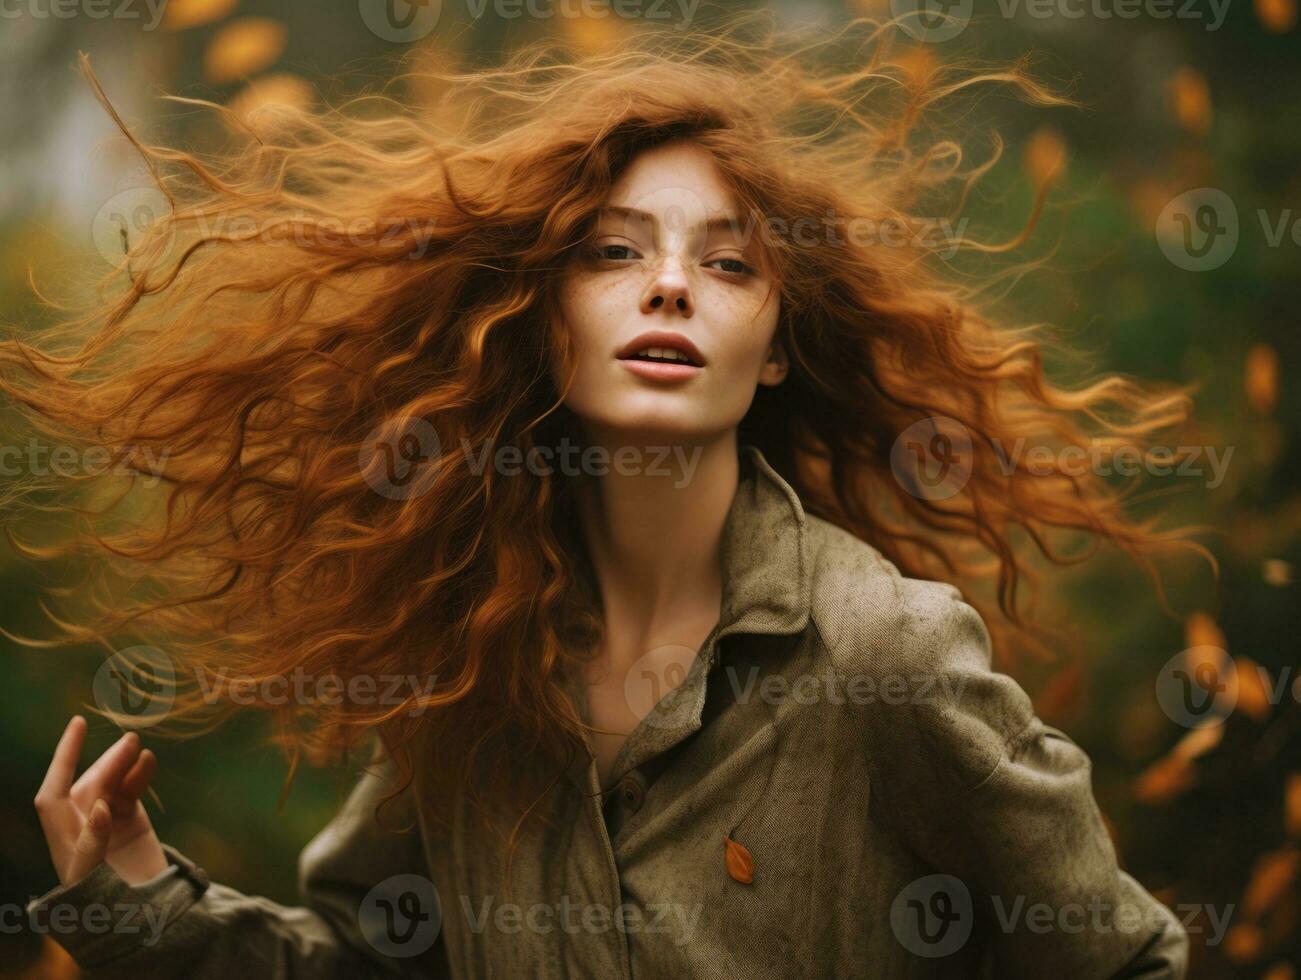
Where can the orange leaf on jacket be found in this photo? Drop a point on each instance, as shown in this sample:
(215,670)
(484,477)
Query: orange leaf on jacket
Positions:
(739,863)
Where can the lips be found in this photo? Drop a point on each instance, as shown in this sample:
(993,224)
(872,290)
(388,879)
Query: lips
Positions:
(662,344)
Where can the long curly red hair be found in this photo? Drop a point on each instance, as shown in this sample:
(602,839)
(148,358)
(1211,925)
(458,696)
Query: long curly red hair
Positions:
(333,283)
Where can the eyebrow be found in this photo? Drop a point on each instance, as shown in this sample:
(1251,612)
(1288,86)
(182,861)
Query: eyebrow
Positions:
(728,221)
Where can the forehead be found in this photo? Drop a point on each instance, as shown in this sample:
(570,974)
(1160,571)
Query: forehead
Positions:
(675,182)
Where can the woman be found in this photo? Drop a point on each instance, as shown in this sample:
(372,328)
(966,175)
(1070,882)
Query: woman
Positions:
(634,435)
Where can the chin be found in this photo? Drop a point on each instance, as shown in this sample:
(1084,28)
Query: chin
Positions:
(654,430)
(650,427)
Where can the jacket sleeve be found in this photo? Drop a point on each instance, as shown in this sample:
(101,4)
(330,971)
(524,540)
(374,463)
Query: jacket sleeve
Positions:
(1001,806)
(368,911)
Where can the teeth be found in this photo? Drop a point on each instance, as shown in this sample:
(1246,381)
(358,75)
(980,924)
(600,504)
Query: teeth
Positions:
(667,352)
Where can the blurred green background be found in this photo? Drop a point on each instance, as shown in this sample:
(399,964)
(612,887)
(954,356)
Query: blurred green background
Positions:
(1177,97)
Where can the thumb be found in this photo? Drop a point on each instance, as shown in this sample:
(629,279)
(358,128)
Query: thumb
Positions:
(92,843)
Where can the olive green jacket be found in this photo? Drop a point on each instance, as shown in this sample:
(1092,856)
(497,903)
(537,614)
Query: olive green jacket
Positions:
(898,809)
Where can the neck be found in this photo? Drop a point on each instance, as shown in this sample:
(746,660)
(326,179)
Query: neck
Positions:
(654,533)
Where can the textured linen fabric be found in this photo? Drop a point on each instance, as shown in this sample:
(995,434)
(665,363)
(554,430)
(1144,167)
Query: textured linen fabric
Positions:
(905,812)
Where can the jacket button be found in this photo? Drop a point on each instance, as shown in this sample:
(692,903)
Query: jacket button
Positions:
(632,792)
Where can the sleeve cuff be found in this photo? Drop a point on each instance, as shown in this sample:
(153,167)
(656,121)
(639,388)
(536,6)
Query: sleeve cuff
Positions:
(100,917)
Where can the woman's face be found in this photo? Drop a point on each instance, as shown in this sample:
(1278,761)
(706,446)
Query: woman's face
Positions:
(673,270)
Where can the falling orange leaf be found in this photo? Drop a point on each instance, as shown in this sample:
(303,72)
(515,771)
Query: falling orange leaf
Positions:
(1280,971)
(916,63)
(1148,198)
(1201,630)
(1277,572)
(270,91)
(1261,378)
(182,14)
(1198,741)
(1253,688)
(1292,804)
(243,47)
(1277,16)
(1171,775)
(1271,876)
(1045,155)
(739,863)
(1163,780)
(1209,658)
(595,33)
(870,8)
(1244,942)
(1190,100)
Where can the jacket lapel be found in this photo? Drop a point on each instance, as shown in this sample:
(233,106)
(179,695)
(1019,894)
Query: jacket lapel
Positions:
(767,590)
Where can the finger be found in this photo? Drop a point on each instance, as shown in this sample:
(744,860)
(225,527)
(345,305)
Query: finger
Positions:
(92,843)
(134,784)
(105,774)
(63,766)
(127,742)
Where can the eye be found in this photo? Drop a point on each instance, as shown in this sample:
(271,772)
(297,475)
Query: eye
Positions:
(614,253)
(734,266)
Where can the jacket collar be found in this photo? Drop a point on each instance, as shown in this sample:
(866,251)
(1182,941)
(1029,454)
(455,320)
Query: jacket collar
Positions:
(767,589)
(767,584)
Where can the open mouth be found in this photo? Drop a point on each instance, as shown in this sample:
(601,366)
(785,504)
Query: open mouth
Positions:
(662,355)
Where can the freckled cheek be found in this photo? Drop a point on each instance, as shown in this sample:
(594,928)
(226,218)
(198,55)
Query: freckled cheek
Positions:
(593,313)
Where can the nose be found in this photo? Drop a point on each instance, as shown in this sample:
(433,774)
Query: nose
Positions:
(669,288)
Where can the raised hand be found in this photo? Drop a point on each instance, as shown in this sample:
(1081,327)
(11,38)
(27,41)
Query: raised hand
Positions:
(99,817)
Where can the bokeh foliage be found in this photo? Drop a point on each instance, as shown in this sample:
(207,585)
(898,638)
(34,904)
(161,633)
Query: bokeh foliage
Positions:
(1168,106)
